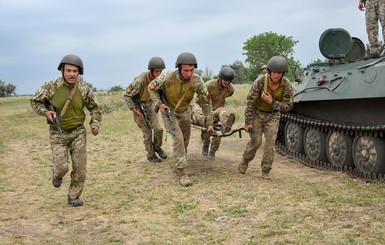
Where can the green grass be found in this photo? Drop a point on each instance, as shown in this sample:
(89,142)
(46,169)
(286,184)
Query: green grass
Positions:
(131,201)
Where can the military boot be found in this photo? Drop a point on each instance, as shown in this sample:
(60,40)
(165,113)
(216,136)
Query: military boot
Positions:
(229,123)
(153,158)
(243,166)
(75,202)
(56,182)
(161,153)
(184,180)
(205,150)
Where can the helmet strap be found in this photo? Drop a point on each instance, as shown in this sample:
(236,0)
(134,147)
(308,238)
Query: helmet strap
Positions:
(180,75)
(152,76)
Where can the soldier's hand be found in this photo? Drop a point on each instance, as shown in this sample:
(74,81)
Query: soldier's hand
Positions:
(95,130)
(49,116)
(248,128)
(163,108)
(137,113)
(361,6)
(265,96)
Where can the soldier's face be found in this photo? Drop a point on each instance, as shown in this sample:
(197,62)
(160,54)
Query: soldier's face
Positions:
(71,73)
(187,71)
(225,83)
(157,72)
(276,76)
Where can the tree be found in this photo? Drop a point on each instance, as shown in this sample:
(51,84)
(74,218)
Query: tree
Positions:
(116,88)
(259,49)
(93,89)
(7,89)
(206,74)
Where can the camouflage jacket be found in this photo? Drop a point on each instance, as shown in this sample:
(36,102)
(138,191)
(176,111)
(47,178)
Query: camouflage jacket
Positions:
(174,88)
(254,98)
(86,99)
(138,87)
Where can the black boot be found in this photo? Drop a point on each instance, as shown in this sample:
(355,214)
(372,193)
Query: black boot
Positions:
(153,158)
(56,182)
(161,153)
(75,202)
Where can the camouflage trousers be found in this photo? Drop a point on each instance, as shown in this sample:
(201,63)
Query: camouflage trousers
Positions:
(220,117)
(149,129)
(263,124)
(72,144)
(181,124)
(374,13)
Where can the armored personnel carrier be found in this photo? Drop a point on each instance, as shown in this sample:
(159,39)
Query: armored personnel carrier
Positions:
(338,118)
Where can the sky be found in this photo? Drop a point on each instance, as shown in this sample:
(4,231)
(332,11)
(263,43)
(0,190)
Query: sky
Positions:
(117,38)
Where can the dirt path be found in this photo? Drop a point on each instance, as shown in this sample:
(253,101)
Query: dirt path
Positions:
(33,212)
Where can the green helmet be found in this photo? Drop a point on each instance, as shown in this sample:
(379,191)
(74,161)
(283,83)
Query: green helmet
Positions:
(156,63)
(226,73)
(72,59)
(186,58)
(278,64)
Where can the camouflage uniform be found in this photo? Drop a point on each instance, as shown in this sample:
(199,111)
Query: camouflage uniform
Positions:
(375,11)
(138,90)
(217,95)
(174,88)
(265,119)
(74,133)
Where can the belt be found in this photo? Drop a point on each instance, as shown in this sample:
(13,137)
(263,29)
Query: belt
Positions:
(68,131)
(270,112)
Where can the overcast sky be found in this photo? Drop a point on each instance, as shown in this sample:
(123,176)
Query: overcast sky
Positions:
(116,38)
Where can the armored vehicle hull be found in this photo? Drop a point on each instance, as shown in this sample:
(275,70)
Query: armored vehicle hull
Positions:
(338,119)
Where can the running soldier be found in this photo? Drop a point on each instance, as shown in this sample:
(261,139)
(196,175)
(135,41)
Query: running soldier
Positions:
(62,101)
(173,92)
(137,98)
(269,95)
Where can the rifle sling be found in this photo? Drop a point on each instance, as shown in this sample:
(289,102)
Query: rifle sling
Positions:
(69,98)
(181,98)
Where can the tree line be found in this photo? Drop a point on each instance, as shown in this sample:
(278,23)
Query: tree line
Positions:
(258,50)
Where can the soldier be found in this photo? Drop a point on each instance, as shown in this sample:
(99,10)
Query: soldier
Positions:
(173,92)
(268,96)
(137,98)
(66,96)
(263,70)
(219,90)
(375,11)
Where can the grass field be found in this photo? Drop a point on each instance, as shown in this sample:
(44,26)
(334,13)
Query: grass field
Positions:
(128,200)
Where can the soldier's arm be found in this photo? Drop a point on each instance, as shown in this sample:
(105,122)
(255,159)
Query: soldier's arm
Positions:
(202,100)
(92,106)
(132,90)
(42,95)
(153,88)
(252,98)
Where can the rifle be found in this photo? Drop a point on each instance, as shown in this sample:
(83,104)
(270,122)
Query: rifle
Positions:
(54,116)
(141,109)
(168,111)
(220,133)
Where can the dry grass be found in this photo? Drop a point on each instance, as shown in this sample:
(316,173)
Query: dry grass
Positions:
(130,201)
